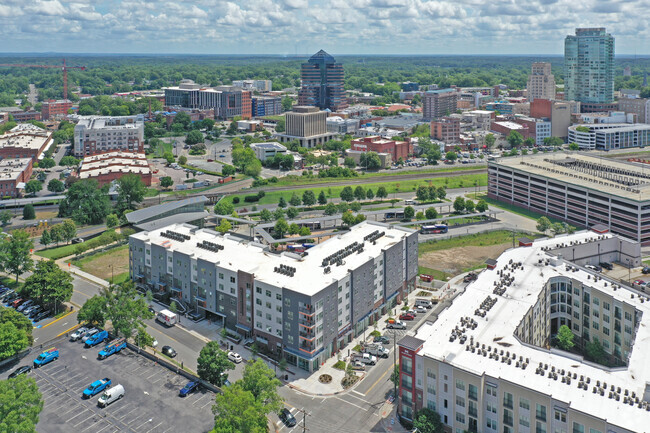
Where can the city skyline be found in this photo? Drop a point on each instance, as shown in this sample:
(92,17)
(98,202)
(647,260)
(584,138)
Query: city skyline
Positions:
(296,27)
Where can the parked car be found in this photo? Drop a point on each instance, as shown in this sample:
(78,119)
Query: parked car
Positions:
(381,339)
(421,310)
(639,282)
(42,315)
(20,370)
(396,325)
(189,388)
(234,357)
(96,387)
(80,332)
(49,355)
(169,351)
(406,316)
(287,418)
(6,294)
(33,312)
(89,334)
(594,268)
(607,265)
(113,394)
(99,337)
(24,305)
(16,302)
(645,270)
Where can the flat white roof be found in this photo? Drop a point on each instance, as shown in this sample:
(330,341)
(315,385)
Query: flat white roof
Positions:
(10,169)
(504,317)
(25,139)
(253,258)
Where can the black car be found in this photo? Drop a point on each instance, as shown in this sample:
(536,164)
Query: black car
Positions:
(646,270)
(35,311)
(287,418)
(169,351)
(42,315)
(151,310)
(20,370)
(381,339)
(607,265)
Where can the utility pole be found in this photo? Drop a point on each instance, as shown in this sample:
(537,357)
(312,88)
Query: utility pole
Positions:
(304,420)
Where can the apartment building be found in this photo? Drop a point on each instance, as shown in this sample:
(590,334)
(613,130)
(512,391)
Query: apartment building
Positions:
(439,103)
(485,365)
(446,129)
(101,134)
(608,136)
(579,189)
(55,109)
(226,101)
(110,166)
(541,82)
(640,107)
(304,308)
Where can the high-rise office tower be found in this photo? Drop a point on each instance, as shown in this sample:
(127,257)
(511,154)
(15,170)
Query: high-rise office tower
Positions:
(541,82)
(322,83)
(589,66)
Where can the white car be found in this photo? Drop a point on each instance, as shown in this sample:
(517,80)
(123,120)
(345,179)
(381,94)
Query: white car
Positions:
(234,357)
(78,333)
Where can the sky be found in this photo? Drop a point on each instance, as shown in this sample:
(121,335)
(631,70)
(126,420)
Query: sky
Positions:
(289,27)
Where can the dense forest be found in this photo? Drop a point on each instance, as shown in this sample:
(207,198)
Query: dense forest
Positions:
(106,75)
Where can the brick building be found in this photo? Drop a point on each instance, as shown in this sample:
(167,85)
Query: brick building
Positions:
(55,109)
(14,174)
(439,103)
(506,127)
(397,149)
(446,129)
(109,166)
(28,143)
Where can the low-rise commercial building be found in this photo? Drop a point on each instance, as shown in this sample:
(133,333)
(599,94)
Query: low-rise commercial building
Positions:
(579,189)
(341,126)
(608,136)
(385,159)
(539,129)
(14,175)
(505,127)
(101,134)
(264,151)
(302,308)
(397,149)
(25,142)
(486,363)
(110,166)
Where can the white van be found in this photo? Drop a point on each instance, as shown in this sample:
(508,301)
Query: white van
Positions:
(410,202)
(111,395)
(423,303)
(166,317)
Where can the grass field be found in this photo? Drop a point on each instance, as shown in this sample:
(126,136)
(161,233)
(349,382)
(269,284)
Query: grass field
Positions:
(461,181)
(113,263)
(56,253)
(474,240)
(512,208)
(161,149)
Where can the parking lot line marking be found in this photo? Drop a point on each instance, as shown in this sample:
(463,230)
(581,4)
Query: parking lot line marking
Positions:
(154,427)
(352,404)
(69,410)
(152,375)
(138,427)
(198,400)
(107,425)
(70,419)
(69,329)
(207,404)
(54,321)
(377,381)
(126,414)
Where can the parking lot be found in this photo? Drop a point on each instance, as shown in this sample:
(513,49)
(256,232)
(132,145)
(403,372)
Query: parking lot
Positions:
(150,404)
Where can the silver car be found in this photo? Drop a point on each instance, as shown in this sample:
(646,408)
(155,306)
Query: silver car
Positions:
(80,332)
(89,334)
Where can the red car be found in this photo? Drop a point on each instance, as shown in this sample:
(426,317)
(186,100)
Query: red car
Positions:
(406,316)
(639,282)
(17,302)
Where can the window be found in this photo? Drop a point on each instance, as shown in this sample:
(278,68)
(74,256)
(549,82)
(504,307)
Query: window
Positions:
(606,306)
(524,404)
(491,424)
(524,420)
(268,293)
(431,405)
(507,400)
(232,279)
(460,385)
(407,382)
(628,316)
(593,430)
(278,296)
(460,401)
(540,413)
(460,417)
(560,416)
(407,366)
(491,390)
(606,331)
(473,392)
(491,408)
(540,427)
(258,290)
(578,428)
(507,417)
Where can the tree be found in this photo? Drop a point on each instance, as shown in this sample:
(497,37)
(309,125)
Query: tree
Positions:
(427,421)
(16,251)
(595,352)
(56,234)
(287,103)
(166,182)
(515,139)
(292,212)
(321,198)
(359,193)
(194,137)
(5,217)
(557,228)
(529,142)
(370,161)
(481,206)
(304,231)
(381,192)
(347,194)
(45,238)
(223,227)
(553,141)
(260,380)
(330,209)
(281,125)
(294,229)
(69,161)
(564,338)
(422,193)
(369,194)
(489,140)
(282,202)
(419,216)
(441,192)
(281,228)
(93,311)
(28,212)
(112,220)
(20,404)
(47,163)
(543,224)
(49,284)
(130,192)
(431,213)
(237,411)
(265,215)
(459,204)
(308,198)
(85,202)
(348,218)
(55,185)
(469,206)
(409,213)
(212,363)
(182,160)
(125,309)
(68,230)
(349,162)
(278,213)
(224,207)
(15,332)
(574,146)
(295,200)
(451,156)
(227,170)
(169,157)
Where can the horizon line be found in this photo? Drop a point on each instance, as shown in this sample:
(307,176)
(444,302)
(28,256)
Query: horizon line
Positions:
(58,53)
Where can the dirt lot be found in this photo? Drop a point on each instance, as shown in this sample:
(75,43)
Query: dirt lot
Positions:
(454,260)
(100,264)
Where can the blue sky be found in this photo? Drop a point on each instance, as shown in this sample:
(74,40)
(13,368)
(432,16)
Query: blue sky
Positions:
(304,26)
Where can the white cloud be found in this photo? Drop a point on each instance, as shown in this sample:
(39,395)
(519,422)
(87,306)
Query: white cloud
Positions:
(50,8)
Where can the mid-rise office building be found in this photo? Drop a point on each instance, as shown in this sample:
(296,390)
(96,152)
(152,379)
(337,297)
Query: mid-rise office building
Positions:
(266,106)
(264,151)
(439,103)
(579,189)
(558,112)
(589,67)
(306,124)
(341,126)
(226,101)
(322,83)
(304,308)
(541,82)
(609,136)
(446,129)
(55,109)
(101,134)
(486,363)
(639,107)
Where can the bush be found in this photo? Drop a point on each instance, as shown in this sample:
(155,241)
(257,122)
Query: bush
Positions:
(28,212)
(251,199)
(340,365)
(235,200)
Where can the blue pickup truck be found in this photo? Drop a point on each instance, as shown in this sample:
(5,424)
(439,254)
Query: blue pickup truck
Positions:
(111,348)
(96,387)
(49,355)
(97,338)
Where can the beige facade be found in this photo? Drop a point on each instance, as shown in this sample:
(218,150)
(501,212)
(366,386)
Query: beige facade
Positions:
(541,82)
(638,106)
(306,121)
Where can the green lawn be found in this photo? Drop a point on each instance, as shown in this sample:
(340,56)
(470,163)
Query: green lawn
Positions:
(113,263)
(272,197)
(444,276)
(56,253)
(473,240)
(161,149)
(514,209)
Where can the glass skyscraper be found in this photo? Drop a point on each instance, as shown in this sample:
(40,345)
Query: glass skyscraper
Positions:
(322,83)
(589,66)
